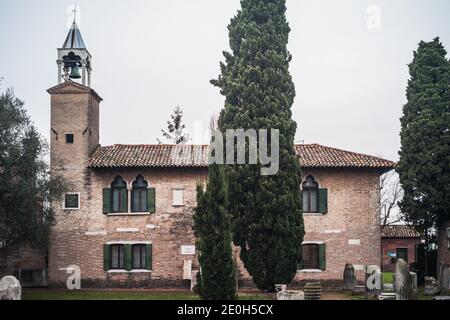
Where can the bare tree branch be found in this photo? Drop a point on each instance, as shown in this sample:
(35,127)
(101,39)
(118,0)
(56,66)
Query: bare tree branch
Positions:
(391,193)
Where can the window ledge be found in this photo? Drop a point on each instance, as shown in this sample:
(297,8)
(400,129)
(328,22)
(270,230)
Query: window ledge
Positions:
(130,271)
(129,214)
(310,271)
(313,214)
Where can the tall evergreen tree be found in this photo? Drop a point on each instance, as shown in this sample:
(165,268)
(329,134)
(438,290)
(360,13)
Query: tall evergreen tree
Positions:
(212,226)
(424,166)
(259,92)
(26,188)
(175,128)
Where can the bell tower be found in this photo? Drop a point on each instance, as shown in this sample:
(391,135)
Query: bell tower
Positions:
(73,56)
(74,106)
(74,135)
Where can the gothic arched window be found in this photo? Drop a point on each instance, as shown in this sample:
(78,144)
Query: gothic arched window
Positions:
(310,190)
(119,195)
(139,195)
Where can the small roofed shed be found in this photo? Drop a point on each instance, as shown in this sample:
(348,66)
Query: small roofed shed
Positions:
(399,241)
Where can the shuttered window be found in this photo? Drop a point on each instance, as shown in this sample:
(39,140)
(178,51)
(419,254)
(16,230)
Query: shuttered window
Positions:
(127,257)
(119,196)
(117,256)
(313,256)
(139,195)
(139,256)
(310,256)
(315,200)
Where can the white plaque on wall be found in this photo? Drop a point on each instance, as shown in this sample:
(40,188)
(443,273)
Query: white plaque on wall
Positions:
(354,242)
(188,250)
(187,270)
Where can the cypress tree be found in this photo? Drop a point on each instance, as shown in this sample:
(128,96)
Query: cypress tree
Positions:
(255,80)
(212,227)
(424,166)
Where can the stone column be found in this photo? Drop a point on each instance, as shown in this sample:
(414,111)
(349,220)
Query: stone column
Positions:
(83,72)
(349,277)
(59,62)
(403,283)
(414,288)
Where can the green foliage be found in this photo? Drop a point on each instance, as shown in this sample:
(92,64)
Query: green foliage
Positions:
(255,80)
(26,189)
(424,166)
(212,226)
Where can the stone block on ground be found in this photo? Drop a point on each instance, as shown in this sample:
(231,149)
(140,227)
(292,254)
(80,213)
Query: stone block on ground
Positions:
(290,295)
(10,288)
(431,286)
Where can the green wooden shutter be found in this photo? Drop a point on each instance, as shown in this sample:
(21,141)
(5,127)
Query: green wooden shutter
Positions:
(132,200)
(128,257)
(322,256)
(148,256)
(106,201)
(323,200)
(151,200)
(124,201)
(106,255)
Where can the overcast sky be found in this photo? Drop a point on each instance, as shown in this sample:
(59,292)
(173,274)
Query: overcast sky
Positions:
(349,70)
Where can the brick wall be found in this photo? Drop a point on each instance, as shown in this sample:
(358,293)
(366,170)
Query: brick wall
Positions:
(391,245)
(78,237)
(351,228)
(13,260)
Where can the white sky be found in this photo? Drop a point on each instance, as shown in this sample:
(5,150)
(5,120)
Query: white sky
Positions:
(152,55)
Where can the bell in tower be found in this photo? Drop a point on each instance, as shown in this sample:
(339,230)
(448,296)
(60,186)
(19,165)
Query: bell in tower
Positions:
(74,58)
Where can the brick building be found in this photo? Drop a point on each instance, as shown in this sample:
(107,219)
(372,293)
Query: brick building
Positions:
(398,241)
(127,220)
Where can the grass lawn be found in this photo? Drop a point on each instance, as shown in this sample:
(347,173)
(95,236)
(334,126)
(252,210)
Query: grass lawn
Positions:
(48,294)
(388,277)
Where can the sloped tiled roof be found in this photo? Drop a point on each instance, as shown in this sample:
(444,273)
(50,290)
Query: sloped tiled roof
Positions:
(313,155)
(316,155)
(150,156)
(399,231)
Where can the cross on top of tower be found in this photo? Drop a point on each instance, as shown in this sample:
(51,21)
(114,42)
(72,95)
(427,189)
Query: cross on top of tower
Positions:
(74,60)
(74,13)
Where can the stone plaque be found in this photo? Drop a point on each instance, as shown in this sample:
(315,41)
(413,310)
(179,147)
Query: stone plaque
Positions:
(188,250)
(187,270)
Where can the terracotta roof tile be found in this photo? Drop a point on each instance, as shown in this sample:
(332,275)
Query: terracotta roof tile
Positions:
(399,231)
(149,156)
(313,155)
(316,155)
